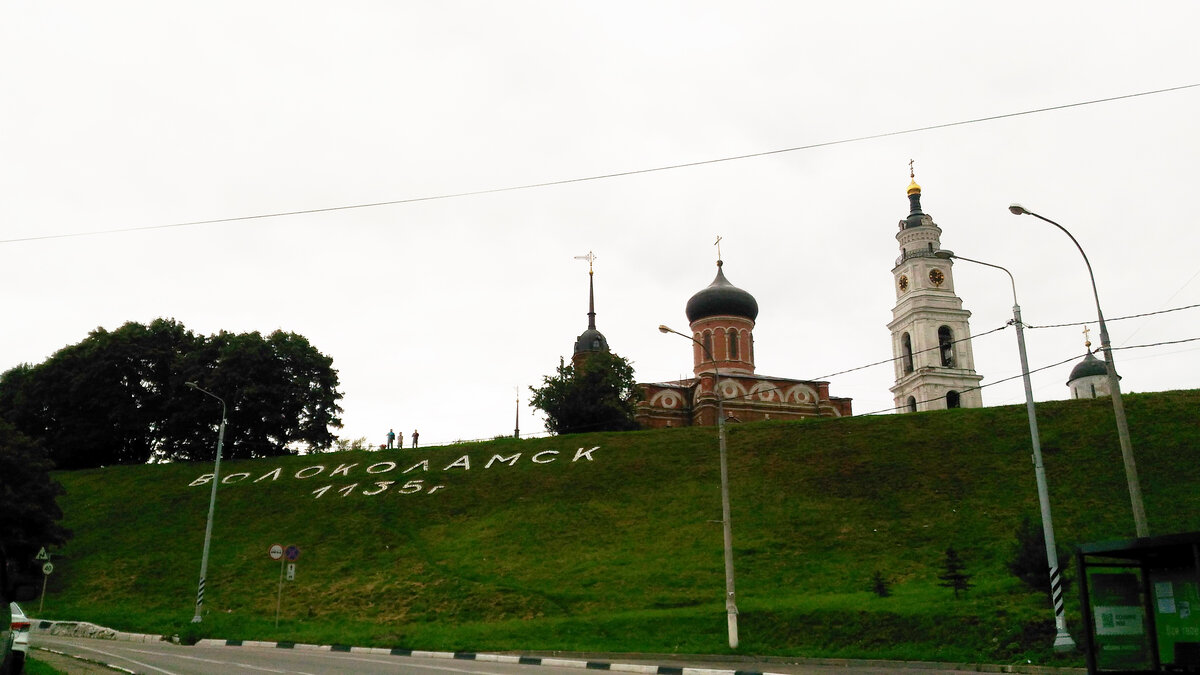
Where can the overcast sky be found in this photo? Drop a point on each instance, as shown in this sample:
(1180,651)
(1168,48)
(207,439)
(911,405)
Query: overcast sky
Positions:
(121,115)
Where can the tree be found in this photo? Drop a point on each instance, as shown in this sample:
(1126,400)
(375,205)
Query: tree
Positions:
(281,392)
(120,397)
(1028,562)
(953,575)
(880,585)
(29,514)
(600,395)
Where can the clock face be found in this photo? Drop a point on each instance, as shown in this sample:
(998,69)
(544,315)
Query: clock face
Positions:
(936,277)
(903,282)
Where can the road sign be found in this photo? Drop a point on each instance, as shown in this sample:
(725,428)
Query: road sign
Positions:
(276,551)
(291,571)
(292,553)
(42,555)
(47,568)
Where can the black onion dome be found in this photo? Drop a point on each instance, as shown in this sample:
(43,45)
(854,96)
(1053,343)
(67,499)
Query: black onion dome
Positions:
(721,298)
(591,340)
(1089,366)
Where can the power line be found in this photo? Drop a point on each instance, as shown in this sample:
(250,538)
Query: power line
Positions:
(540,434)
(970,339)
(1119,318)
(975,388)
(619,174)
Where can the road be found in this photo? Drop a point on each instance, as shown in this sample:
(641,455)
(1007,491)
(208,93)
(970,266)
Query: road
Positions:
(163,658)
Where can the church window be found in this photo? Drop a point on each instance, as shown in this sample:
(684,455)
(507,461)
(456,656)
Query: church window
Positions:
(946,346)
(912,404)
(906,353)
(596,345)
(708,345)
(1093,391)
(952,399)
(733,345)
(751,340)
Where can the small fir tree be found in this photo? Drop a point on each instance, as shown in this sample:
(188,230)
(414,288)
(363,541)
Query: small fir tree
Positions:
(1028,562)
(880,585)
(954,575)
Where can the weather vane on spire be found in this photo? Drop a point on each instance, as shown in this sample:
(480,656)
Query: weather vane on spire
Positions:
(589,257)
(717,243)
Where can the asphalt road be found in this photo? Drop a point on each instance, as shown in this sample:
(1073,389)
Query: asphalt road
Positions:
(164,658)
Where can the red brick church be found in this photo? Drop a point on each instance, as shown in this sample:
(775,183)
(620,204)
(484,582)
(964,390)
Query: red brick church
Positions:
(722,322)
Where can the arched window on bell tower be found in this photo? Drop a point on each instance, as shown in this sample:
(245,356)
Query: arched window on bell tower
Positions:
(906,353)
(946,346)
(708,346)
(912,404)
(733,345)
(952,399)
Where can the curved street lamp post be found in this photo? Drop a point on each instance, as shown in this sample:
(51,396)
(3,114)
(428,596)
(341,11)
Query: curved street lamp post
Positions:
(1062,640)
(726,522)
(1131,477)
(212,504)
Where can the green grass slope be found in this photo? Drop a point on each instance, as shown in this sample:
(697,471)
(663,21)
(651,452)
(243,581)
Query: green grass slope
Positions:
(619,549)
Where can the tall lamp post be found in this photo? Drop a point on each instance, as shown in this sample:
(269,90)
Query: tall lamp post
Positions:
(1062,641)
(1114,386)
(726,522)
(212,504)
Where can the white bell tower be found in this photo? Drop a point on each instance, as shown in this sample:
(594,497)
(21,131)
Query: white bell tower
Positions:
(935,367)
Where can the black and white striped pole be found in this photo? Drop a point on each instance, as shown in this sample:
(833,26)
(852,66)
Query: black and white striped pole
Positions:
(1062,639)
(212,504)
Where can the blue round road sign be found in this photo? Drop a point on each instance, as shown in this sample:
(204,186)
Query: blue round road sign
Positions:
(292,553)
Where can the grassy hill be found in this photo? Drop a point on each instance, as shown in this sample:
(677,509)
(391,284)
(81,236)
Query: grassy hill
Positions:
(618,549)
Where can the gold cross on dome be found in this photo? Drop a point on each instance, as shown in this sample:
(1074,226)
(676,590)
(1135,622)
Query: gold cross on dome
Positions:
(910,170)
(717,243)
(1087,342)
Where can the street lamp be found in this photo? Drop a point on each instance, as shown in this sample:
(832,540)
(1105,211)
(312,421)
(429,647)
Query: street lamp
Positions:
(726,521)
(1114,386)
(1062,641)
(212,504)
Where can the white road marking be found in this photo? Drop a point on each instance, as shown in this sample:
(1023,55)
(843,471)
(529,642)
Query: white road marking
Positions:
(225,663)
(445,668)
(118,656)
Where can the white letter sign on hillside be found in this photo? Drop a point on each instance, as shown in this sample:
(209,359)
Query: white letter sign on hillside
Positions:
(371,488)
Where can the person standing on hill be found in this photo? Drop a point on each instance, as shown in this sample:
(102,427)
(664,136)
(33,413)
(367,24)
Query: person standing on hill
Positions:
(391,439)
(400,441)
(416,434)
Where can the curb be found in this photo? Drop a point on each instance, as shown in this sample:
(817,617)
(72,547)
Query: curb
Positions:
(492,658)
(582,661)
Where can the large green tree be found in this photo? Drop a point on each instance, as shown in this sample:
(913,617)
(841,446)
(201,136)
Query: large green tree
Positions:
(29,514)
(120,397)
(600,395)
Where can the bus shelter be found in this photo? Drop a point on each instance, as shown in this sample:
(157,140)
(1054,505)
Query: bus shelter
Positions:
(1141,610)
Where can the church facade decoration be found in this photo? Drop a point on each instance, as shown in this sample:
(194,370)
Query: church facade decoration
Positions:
(721,317)
(934,362)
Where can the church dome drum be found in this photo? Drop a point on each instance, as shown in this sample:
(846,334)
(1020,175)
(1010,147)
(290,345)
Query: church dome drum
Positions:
(721,298)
